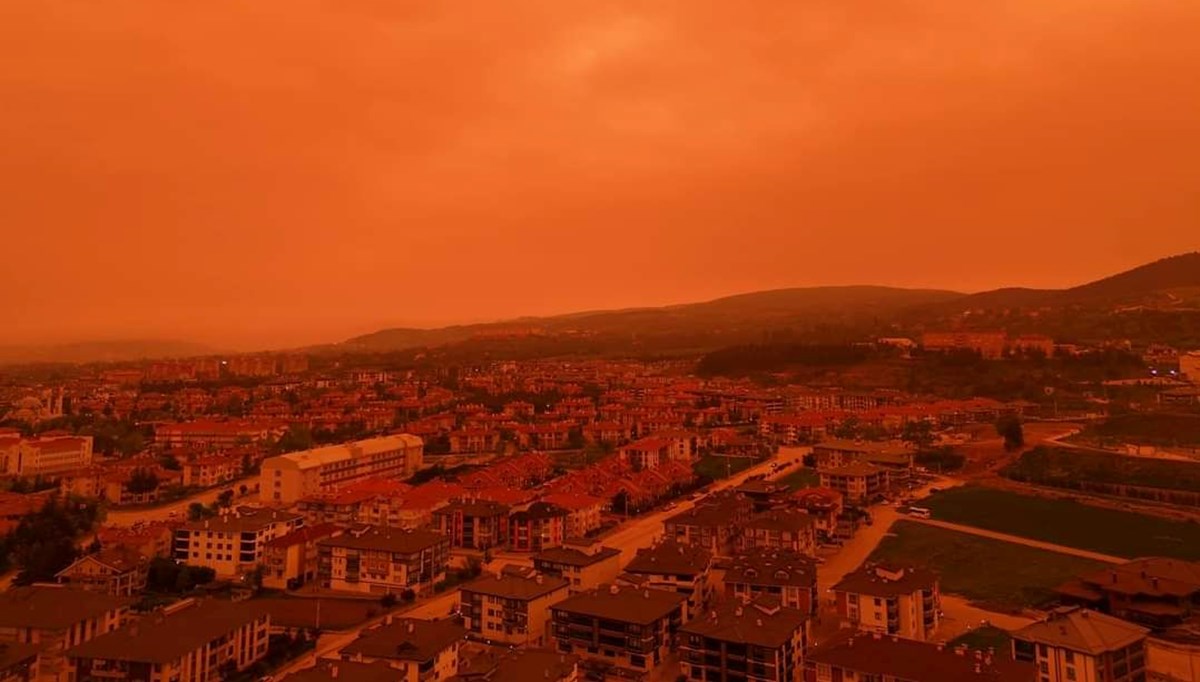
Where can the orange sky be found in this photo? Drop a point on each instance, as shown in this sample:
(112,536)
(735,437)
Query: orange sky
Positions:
(280,172)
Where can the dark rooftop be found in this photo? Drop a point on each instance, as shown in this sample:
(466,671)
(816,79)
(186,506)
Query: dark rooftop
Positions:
(670,557)
(881,580)
(623,604)
(381,538)
(53,607)
(165,637)
(763,624)
(510,586)
(574,557)
(906,659)
(407,639)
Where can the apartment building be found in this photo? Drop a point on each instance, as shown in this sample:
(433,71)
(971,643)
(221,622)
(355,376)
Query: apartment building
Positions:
(626,627)
(825,506)
(421,650)
(119,571)
(56,618)
(511,609)
(857,656)
(1156,592)
(473,524)
(586,565)
(990,345)
(1078,645)
(234,541)
(584,512)
(895,456)
(48,456)
(381,560)
(291,560)
(191,641)
(890,600)
(669,565)
(780,529)
(207,434)
(521,665)
(539,527)
(859,483)
(758,640)
(287,478)
(714,525)
(789,577)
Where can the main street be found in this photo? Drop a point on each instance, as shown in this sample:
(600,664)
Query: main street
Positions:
(178,508)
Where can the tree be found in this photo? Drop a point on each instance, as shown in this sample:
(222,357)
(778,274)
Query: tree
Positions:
(918,433)
(225,499)
(142,481)
(170,462)
(197,511)
(1010,429)
(388,600)
(247,465)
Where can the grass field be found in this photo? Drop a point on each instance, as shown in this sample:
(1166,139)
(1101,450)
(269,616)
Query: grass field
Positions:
(1062,522)
(717,467)
(982,638)
(998,575)
(802,478)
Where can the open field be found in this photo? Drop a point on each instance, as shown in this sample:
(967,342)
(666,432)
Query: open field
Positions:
(717,467)
(1063,522)
(1161,428)
(998,575)
(1112,473)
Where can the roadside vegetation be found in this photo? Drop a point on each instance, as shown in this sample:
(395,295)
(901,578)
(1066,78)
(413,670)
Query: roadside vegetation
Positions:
(1106,472)
(1067,523)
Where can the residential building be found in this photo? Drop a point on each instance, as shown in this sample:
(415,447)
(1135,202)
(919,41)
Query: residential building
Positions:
(891,600)
(861,657)
(327,670)
(290,561)
(382,560)
(212,470)
(758,640)
(287,478)
(584,512)
(627,627)
(789,577)
(207,434)
(539,527)
(671,566)
(646,453)
(421,650)
(519,665)
(825,506)
(56,618)
(232,542)
(587,565)
(782,529)
(895,456)
(119,571)
(1159,593)
(990,345)
(190,641)
(511,609)
(473,524)
(18,662)
(1079,645)
(859,483)
(713,524)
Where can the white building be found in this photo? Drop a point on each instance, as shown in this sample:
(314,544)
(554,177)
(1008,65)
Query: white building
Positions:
(233,541)
(44,456)
(288,478)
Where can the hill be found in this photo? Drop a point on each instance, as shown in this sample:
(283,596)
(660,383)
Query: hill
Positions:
(744,317)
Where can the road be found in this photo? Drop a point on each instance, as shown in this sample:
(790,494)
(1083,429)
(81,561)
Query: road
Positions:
(128,517)
(1018,540)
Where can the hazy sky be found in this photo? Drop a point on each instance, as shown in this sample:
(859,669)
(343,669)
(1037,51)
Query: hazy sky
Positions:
(276,172)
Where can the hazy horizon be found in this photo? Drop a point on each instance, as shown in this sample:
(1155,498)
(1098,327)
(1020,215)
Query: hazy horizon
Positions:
(272,175)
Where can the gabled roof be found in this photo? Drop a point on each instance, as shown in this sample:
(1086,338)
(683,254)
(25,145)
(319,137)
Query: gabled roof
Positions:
(53,607)
(407,639)
(1082,630)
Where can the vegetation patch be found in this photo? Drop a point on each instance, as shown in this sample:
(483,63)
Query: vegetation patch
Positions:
(1067,523)
(999,576)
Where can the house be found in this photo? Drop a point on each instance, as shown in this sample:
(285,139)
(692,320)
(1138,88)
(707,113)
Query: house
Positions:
(290,561)
(626,627)
(891,600)
(646,453)
(56,618)
(381,560)
(421,650)
(788,576)
(859,483)
(825,507)
(473,524)
(538,527)
(782,529)
(713,524)
(758,640)
(587,565)
(150,539)
(671,566)
(1083,646)
(511,609)
(119,571)
(232,542)
(1158,593)
(583,512)
(194,641)
(851,655)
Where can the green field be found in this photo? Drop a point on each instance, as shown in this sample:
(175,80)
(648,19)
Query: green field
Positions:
(982,638)
(998,575)
(802,478)
(1067,467)
(1063,522)
(1154,428)
(717,467)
